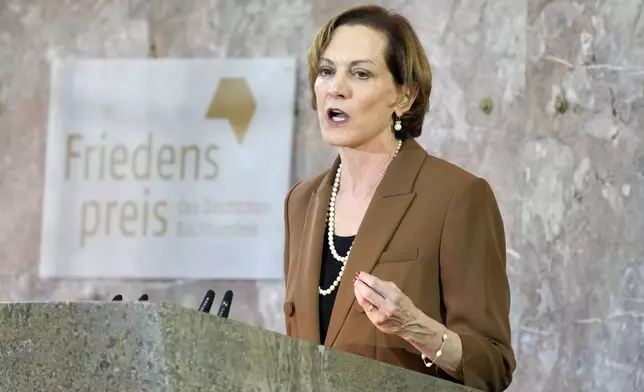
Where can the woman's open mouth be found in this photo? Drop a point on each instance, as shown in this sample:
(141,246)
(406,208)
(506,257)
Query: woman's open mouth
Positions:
(337,116)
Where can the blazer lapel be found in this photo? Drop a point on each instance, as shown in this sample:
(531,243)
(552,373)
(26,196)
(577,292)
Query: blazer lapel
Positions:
(386,209)
(310,259)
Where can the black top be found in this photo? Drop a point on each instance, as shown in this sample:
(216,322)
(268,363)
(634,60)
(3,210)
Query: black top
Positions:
(329,271)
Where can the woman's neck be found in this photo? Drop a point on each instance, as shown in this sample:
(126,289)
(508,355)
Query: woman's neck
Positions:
(364,167)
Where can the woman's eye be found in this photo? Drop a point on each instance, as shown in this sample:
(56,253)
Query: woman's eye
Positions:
(361,74)
(324,71)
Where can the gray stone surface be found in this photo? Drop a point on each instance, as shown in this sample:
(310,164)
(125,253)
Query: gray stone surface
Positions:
(167,348)
(579,286)
(570,185)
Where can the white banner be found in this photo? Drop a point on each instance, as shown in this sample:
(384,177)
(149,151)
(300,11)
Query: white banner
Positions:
(167,168)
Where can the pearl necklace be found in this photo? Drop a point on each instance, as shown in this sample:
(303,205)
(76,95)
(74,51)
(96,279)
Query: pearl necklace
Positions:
(331,224)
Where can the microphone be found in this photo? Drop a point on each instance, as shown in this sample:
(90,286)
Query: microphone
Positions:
(117,297)
(224,309)
(144,297)
(206,302)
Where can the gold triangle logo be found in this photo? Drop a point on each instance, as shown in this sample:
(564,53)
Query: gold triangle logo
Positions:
(233,101)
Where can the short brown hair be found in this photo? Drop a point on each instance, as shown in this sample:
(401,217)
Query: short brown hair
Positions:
(405,57)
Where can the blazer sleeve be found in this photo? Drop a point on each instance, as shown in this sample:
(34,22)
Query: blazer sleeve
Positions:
(286,230)
(475,288)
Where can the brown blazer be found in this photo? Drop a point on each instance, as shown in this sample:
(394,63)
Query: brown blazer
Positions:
(436,232)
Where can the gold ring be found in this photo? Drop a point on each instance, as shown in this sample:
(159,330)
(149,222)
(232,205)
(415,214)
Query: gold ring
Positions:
(370,308)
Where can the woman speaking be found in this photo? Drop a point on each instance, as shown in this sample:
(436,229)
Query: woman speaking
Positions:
(393,254)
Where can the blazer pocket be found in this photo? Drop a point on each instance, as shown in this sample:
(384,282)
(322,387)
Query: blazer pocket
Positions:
(397,255)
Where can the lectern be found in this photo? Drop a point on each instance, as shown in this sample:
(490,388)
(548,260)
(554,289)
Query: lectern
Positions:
(142,346)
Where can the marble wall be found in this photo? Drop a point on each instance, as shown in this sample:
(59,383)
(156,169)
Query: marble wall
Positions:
(561,148)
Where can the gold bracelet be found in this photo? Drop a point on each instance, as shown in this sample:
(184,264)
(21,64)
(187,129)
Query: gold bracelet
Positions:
(439,352)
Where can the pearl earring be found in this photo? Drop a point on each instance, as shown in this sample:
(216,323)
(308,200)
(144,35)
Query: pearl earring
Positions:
(397,125)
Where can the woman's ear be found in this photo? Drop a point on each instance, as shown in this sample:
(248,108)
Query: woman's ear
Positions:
(406,97)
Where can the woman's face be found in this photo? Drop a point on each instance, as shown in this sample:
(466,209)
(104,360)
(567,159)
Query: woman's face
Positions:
(354,90)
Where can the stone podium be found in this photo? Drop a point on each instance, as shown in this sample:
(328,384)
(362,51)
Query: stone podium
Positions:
(141,346)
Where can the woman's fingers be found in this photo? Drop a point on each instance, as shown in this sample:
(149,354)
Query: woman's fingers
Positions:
(367,296)
(387,290)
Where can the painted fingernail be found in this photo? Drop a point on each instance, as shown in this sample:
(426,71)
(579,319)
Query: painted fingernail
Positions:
(357,273)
